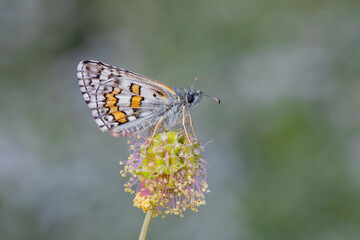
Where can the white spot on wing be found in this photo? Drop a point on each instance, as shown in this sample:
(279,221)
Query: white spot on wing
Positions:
(131,118)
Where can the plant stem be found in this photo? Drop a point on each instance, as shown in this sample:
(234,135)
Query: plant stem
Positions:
(146,224)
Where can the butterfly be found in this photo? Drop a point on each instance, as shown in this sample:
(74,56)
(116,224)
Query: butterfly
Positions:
(126,103)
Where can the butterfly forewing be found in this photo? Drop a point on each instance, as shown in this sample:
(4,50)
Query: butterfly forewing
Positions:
(122,101)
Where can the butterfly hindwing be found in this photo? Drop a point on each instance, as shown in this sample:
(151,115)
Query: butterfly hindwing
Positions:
(121,101)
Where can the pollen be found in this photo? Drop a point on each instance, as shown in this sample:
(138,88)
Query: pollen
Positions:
(168,176)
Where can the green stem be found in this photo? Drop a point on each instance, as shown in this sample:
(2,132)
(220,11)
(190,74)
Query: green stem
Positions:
(146,224)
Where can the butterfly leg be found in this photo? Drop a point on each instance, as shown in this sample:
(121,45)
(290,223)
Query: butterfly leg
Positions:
(192,127)
(184,124)
(155,129)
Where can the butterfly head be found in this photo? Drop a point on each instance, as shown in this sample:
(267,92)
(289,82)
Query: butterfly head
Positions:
(192,97)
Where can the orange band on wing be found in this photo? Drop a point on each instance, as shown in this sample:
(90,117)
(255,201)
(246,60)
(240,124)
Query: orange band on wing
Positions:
(110,103)
(110,97)
(164,86)
(135,101)
(120,116)
(111,100)
(169,89)
(113,109)
(135,89)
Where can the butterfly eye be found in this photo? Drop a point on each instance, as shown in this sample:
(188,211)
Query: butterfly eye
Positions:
(190,98)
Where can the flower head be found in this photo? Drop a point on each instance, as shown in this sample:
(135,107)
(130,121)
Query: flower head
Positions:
(169,176)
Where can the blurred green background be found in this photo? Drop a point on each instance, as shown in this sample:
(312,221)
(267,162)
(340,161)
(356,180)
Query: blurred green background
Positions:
(284,161)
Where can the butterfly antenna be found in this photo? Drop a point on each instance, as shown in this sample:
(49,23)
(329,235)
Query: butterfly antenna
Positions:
(216,99)
(196,80)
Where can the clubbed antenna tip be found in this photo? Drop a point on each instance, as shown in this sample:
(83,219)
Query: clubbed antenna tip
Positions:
(215,98)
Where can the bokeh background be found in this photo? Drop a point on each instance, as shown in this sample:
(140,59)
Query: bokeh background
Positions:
(284,161)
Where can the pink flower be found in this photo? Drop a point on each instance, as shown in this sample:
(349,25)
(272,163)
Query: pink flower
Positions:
(169,176)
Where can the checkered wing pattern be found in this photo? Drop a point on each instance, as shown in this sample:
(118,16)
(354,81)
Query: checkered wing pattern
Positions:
(121,101)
